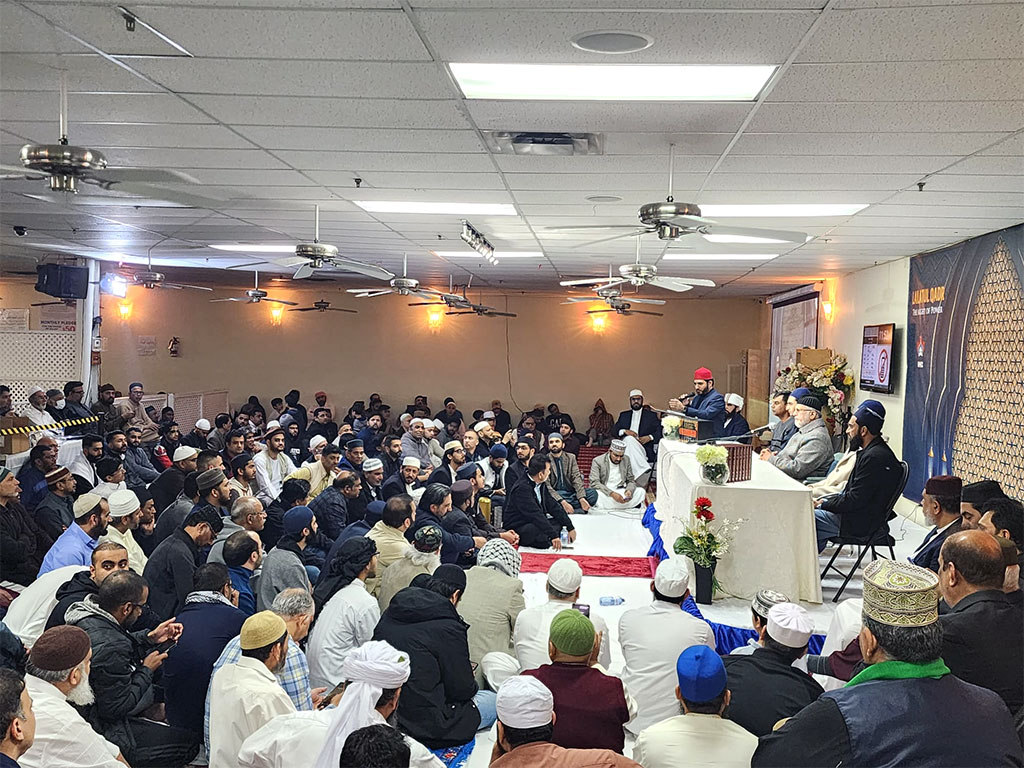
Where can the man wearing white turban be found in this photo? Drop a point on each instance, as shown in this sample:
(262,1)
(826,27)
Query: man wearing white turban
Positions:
(375,673)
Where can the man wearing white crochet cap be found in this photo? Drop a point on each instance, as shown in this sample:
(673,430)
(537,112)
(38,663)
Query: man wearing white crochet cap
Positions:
(125,514)
(375,673)
(766,687)
(612,476)
(652,637)
(640,429)
(526,719)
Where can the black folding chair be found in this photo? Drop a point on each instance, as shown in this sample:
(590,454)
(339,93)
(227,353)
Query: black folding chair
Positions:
(878,537)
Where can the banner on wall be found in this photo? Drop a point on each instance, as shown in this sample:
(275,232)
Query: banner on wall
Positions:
(964,410)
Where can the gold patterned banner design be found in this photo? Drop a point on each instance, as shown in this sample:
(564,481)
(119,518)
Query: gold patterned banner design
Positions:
(43,427)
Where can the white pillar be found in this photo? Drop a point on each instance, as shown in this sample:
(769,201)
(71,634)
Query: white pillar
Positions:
(87,310)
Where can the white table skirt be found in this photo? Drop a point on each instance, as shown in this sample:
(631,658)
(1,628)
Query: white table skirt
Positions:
(775,546)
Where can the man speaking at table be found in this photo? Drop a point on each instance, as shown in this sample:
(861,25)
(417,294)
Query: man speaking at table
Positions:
(705,402)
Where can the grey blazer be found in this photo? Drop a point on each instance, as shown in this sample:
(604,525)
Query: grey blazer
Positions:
(808,452)
(600,469)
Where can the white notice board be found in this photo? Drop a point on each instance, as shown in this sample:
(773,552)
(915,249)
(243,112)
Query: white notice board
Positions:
(794,325)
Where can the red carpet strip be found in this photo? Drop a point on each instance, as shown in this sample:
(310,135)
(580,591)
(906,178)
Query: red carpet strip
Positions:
(633,567)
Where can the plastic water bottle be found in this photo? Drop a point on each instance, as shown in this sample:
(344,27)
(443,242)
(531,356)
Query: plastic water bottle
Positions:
(564,536)
(612,600)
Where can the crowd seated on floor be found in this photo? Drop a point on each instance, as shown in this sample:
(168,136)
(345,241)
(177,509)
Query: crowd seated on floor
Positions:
(286,588)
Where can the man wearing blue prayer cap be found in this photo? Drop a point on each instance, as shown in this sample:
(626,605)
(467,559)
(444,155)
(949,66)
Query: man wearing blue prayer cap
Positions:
(699,735)
(862,505)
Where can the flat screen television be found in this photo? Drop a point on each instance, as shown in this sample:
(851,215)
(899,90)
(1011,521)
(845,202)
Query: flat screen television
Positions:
(876,358)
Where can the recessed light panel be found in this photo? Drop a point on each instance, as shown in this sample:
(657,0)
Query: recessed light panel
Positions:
(610,82)
(497,254)
(440,209)
(739,239)
(719,256)
(253,248)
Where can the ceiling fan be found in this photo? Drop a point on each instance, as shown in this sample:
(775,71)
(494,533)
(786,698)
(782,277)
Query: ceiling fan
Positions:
(452,300)
(147,278)
(482,310)
(672,221)
(322,306)
(613,298)
(624,307)
(310,257)
(638,274)
(64,166)
(403,286)
(254,296)
(65,302)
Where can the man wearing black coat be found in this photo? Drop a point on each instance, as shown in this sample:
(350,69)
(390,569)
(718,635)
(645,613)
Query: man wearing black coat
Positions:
(123,667)
(532,511)
(434,505)
(436,707)
(404,480)
(107,558)
(876,475)
(171,568)
(940,504)
(639,422)
(982,642)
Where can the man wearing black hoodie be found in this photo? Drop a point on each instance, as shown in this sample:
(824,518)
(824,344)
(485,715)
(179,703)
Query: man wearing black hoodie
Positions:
(439,703)
(108,557)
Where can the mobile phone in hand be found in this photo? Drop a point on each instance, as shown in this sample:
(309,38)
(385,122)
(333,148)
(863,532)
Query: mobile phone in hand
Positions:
(325,702)
(583,608)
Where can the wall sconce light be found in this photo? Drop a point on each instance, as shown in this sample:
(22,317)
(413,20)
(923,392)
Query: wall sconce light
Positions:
(434,317)
(124,310)
(598,323)
(276,314)
(826,308)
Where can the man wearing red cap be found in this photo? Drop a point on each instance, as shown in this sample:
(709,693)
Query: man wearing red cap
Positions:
(705,402)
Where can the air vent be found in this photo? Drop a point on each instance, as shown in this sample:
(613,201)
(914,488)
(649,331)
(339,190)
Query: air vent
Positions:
(540,143)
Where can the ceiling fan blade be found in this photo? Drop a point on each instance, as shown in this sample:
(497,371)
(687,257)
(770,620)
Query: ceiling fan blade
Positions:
(46,304)
(172,286)
(233,298)
(250,264)
(369,293)
(186,199)
(339,309)
(502,314)
(281,301)
(141,175)
(636,300)
(584,227)
(428,304)
(306,270)
(193,287)
(780,235)
(581,299)
(304,309)
(669,284)
(634,233)
(586,281)
(369,270)
(15,169)
(425,293)
(687,280)
(598,311)
(644,312)
(462,312)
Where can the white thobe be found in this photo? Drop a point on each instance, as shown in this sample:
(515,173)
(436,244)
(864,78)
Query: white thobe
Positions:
(36,416)
(136,557)
(604,501)
(270,474)
(294,740)
(244,697)
(637,455)
(345,623)
(27,615)
(694,740)
(652,637)
(531,635)
(63,738)
(104,489)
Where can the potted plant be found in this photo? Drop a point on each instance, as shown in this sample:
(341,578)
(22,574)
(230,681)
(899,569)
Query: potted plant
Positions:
(714,464)
(670,427)
(704,544)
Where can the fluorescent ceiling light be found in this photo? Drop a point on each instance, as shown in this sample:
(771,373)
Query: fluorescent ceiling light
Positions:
(497,254)
(781,210)
(719,256)
(254,248)
(610,82)
(739,239)
(452,209)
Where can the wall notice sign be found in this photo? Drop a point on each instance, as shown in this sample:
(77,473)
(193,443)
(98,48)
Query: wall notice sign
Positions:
(58,317)
(146,346)
(14,319)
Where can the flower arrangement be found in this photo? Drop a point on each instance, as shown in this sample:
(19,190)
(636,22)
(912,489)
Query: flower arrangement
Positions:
(831,383)
(713,460)
(702,542)
(670,427)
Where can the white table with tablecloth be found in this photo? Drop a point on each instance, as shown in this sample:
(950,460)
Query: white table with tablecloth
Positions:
(775,546)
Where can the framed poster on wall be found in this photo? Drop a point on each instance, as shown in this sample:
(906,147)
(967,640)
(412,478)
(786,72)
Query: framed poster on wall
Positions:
(794,325)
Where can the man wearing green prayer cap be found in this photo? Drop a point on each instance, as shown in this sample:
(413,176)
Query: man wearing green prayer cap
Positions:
(591,706)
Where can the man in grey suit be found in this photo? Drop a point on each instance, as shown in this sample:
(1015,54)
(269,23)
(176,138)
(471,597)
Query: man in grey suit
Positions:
(809,450)
(611,475)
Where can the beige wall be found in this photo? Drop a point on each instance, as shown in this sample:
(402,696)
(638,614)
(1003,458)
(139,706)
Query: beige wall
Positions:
(554,355)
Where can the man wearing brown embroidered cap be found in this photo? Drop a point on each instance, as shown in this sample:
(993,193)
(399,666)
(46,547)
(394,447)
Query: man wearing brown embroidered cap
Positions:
(905,708)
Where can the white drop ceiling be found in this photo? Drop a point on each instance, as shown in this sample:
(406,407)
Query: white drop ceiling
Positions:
(284,102)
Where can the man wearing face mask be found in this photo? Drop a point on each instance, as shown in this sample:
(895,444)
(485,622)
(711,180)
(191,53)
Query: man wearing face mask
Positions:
(876,473)
(122,671)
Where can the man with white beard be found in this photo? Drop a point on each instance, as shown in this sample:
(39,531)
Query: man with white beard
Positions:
(57,677)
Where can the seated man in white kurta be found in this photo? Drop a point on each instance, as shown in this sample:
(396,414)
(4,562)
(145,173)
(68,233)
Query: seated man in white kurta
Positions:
(611,475)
